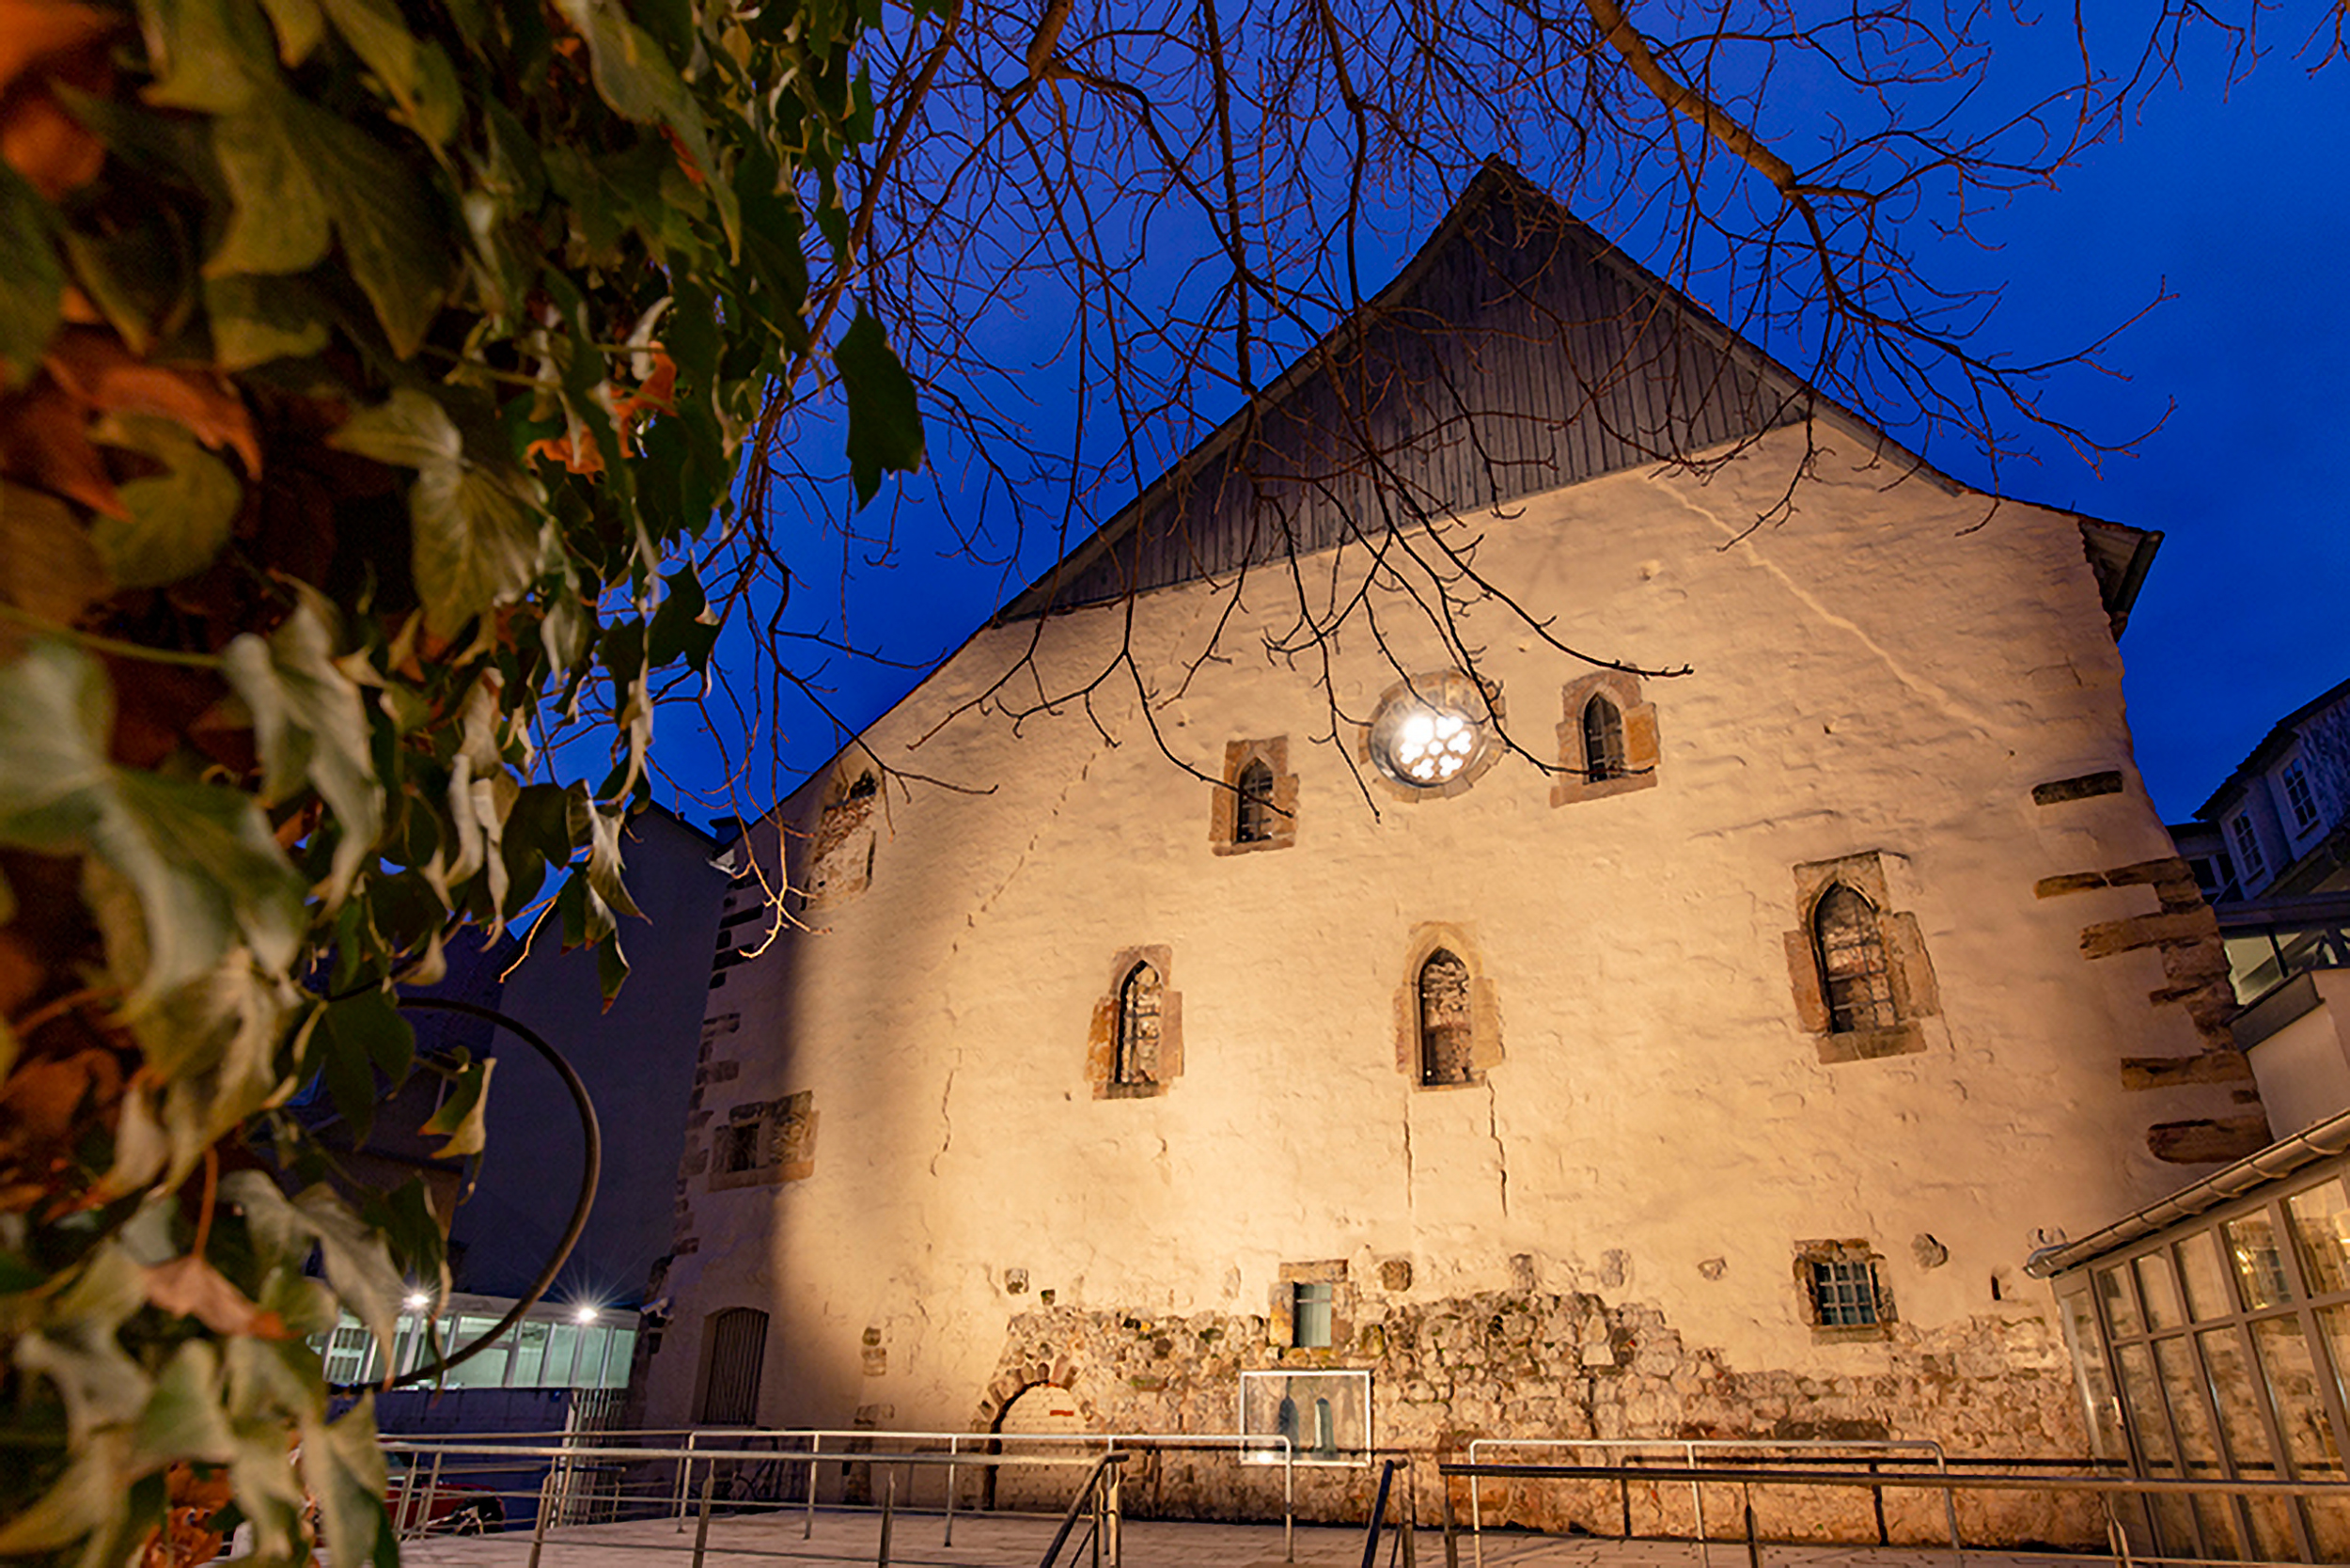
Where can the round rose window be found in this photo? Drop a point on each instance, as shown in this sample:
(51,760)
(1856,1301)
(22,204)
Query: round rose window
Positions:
(1427,739)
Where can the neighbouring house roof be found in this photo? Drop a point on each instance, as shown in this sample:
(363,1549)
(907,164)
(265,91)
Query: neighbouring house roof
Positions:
(2263,755)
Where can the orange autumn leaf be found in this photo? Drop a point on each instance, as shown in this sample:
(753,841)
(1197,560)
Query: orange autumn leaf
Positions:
(41,39)
(557,449)
(190,1287)
(96,367)
(657,395)
(35,30)
(44,443)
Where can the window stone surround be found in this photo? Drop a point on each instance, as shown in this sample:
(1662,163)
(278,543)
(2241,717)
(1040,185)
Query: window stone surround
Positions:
(1224,805)
(1917,996)
(1642,747)
(1101,1064)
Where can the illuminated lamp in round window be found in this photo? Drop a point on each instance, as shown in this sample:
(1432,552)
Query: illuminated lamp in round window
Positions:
(1429,734)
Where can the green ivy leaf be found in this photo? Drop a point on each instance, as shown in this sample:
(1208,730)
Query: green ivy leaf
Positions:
(183,1418)
(178,520)
(463,1109)
(637,80)
(201,860)
(478,527)
(885,425)
(300,26)
(343,1466)
(416,75)
(279,217)
(358,1267)
(392,237)
(311,728)
(32,279)
(209,55)
(88,1498)
(257,320)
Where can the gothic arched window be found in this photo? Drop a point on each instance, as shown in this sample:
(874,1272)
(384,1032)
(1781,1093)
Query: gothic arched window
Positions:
(1603,740)
(1856,981)
(1140,998)
(1446,1027)
(1253,819)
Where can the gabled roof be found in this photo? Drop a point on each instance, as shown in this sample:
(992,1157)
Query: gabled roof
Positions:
(2281,735)
(1518,352)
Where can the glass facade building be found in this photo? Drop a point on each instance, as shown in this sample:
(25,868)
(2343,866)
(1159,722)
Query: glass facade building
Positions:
(553,1348)
(2211,1337)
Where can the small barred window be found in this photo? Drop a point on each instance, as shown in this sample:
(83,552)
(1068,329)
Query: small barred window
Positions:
(1138,1009)
(1603,740)
(1844,1293)
(1446,1024)
(1854,978)
(1253,822)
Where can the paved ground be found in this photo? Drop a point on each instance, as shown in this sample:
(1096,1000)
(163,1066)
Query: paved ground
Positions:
(997,1541)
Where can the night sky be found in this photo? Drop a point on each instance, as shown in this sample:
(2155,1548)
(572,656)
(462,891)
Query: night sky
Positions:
(2230,199)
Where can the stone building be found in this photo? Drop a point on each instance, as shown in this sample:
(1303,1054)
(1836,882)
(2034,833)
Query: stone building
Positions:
(1426,1033)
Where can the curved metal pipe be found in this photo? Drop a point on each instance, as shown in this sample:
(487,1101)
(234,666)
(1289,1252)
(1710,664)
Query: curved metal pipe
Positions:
(593,1135)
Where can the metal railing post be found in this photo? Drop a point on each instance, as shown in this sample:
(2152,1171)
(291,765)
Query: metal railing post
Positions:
(702,1526)
(538,1530)
(815,1451)
(1289,1500)
(951,1451)
(889,1510)
(1476,1510)
(1451,1527)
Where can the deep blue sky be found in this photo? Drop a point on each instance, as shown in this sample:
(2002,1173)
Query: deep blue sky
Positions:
(2232,199)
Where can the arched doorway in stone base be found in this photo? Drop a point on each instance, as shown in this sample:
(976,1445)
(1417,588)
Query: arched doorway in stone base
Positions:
(1037,1410)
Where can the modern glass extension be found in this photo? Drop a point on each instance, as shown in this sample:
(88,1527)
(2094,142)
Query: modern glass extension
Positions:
(2214,1347)
(553,1348)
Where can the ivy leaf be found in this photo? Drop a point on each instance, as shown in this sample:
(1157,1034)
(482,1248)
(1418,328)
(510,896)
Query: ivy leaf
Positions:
(478,527)
(633,76)
(311,728)
(390,233)
(178,520)
(200,858)
(885,425)
(48,567)
(209,55)
(343,1467)
(32,279)
(257,320)
(416,75)
(358,1267)
(183,1418)
(277,220)
(88,1498)
(463,1109)
(190,1287)
(299,25)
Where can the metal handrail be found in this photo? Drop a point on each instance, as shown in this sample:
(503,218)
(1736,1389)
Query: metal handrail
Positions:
(1101,1490)
(1405,1527)
(1942,1480)
(1689,1447)
(815,1437)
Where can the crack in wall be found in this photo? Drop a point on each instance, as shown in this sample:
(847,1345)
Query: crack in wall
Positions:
(1044,823)
(945,1094)
(1501,1149)
(1411,1183)
(1743,535)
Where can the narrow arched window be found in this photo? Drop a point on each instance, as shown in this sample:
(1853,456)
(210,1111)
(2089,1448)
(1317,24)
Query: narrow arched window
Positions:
(1603,740)
(1445,1021)
(1140,997)
(1856,981)
(1252,821)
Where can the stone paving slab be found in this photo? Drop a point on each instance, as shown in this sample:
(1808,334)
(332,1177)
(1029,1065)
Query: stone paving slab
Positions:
(996,1541)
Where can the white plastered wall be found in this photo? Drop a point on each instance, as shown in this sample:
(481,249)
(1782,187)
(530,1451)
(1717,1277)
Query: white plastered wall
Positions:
(1891,668)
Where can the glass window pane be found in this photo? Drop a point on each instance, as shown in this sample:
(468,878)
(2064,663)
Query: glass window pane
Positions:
(2158,1289)
(2286,1356)
(484,1370)
(2089,1361)
(2321,1234)
(2206,1285)
(617,1363)
(2113,1290)
(2260,1268)
(2142,1392)
(562,1346)
(2247,1439)
(2175,1362)
(530,1348)
(590,1373)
